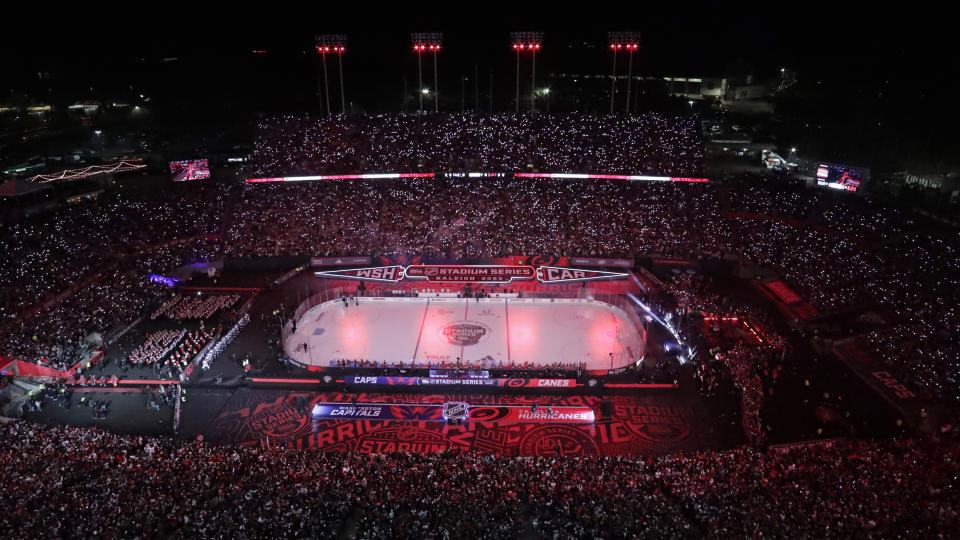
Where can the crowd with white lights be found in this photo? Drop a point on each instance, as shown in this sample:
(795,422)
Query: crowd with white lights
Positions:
(154,486)
(195,307)
(838,253)
(291,146)
(83,271)
(41,258)
(834,253)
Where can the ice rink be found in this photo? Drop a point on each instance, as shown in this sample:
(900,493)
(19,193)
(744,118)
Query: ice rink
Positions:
(508,331)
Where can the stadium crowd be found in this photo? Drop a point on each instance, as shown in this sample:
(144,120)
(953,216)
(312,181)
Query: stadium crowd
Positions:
(751,363)
(40,258)
(74,482)
(836,255)
(836,251)
(169,350)
(195,307)
(117,296)
(290,146)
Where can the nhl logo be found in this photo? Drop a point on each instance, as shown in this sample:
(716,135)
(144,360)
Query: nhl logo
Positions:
(455,411)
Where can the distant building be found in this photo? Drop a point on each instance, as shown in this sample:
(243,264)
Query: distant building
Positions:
(737,87)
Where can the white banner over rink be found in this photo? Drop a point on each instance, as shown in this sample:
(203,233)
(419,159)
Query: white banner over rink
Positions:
(391,274)
(457,273)
(556,274)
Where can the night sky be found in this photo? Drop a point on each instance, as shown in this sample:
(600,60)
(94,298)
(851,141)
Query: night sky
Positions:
(214,47)
(884,75)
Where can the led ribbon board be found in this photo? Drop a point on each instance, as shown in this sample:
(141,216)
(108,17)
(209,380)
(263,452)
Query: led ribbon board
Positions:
(628,177)
(559,176)
(339,261)
(321,177)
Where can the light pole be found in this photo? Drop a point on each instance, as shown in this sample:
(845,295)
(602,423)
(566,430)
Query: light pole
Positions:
(332,43)
(423,42)
(517,101)
(326,87)
(436,83)
(533,78)
(613,76)
(622,41)
(343,98)
(630,48)
(419,49)
(527,41)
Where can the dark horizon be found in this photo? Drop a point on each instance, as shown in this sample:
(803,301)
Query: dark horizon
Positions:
(701,40)
(884,78)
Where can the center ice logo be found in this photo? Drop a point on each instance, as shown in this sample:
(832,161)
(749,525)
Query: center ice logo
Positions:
(465,333)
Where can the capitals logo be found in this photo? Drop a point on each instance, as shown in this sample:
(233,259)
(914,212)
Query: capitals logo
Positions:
(465,333)
(416,412)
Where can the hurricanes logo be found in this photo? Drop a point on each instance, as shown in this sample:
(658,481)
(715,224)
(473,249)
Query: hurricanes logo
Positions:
(465,333)
(558,441)
(541,260)
(488,413)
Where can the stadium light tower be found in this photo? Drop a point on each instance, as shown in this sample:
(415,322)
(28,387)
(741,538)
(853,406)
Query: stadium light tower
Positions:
(527,41)
(332,43)
(622,41)
(427,42)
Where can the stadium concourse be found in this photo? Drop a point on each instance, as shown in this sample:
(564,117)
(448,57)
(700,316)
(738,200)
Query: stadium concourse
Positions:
(799,371)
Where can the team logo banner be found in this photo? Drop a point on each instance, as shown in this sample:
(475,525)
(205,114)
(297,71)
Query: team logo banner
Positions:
(339,261)
(540,383)
(456,411)
(542,415)
(391,274)
(556,274)
(385,381)
(440,273)
(636,425)
(428,381)
(446,381)
(378,411)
